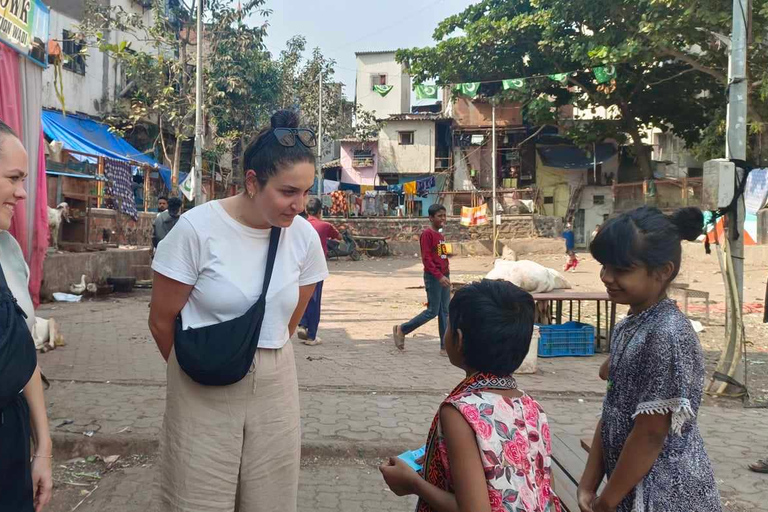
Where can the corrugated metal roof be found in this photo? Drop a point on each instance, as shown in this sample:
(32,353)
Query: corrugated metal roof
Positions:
(420,116)
(332,164)
(375,52)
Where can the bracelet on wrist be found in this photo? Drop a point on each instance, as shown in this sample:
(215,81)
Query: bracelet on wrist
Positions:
(36,456)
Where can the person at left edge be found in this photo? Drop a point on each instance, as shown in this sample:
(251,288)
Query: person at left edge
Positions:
(26,483)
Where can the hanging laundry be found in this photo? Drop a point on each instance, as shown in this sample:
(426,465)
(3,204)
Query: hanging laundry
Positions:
(352,187)
(119,187)
(426,92)
(604,74)
(383,90)
(409,188)
(423,186)
(366,188)
(560,77)
(470,89)
(516,84)
(395,189)
(477,216)
(339,206)
(330,186)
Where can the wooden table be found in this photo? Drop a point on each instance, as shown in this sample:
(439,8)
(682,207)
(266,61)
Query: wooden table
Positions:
(569,458)
(555,316)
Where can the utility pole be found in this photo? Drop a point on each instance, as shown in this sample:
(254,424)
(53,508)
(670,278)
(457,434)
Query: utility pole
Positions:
(736,129)
(731,362)
(320,136)
(493,168)
(199,109)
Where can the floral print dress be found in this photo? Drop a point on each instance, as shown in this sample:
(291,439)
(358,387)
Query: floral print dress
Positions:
(515,447)
(657,367)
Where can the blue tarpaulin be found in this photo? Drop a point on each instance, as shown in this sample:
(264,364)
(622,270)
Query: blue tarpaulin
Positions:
(80,133)
(573,157)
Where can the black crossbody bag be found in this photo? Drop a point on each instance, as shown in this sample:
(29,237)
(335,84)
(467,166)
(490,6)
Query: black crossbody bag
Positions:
(222,354)
(18,357)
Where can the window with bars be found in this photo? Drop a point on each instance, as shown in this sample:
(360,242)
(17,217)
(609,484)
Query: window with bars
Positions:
(406,138)
(71,47)
(378,79)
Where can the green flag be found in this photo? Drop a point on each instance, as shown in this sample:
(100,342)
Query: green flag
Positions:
(517,84)
(560,77)
(383,90)
(605,74)
(426,92)
(469,89)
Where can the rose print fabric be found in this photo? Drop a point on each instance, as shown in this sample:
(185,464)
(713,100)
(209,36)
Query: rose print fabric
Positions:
(515,447)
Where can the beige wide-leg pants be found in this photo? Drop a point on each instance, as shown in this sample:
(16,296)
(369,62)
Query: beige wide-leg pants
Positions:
(232,448)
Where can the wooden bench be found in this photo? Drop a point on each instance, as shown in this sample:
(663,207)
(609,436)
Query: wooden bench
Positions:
(569,458)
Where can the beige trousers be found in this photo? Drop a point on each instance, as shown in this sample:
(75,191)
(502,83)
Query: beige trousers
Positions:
(232,448)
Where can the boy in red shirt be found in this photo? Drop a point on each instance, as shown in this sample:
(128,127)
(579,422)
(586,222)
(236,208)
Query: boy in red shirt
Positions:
(309,323)
(436,280)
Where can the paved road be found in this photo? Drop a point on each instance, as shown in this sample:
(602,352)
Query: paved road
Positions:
(361,398)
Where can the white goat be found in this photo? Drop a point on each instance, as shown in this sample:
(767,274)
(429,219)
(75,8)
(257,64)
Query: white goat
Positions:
(55,216)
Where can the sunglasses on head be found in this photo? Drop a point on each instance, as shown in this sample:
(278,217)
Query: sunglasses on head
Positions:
(288,136)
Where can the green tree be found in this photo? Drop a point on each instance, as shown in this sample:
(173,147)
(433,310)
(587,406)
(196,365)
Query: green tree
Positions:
(671,66)
(241,79)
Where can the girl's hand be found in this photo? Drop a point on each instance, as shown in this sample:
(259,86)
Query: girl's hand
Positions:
(605,368)
(586,499)
(399,476)
(601,506)
(42,482)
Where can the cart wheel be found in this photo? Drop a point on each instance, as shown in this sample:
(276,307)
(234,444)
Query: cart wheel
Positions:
(355,256)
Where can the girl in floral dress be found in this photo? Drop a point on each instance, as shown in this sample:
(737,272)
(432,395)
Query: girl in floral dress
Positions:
(648,443)
(489,446)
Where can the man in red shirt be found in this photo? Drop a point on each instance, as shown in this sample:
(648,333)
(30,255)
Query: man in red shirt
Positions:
(307,330)
(436,280)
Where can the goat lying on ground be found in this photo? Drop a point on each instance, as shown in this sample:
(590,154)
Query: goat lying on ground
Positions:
(55,216)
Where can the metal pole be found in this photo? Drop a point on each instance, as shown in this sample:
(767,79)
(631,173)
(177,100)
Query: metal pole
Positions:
(736,129)
(493,166)
(199,108)
(320,136)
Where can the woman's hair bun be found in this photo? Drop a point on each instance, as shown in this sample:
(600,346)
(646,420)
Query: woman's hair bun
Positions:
(689,223)
(285,119)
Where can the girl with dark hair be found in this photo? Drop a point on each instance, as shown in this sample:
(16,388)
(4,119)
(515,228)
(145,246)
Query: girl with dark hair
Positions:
(648,442)
(24,486)
(237,446)
(489,447)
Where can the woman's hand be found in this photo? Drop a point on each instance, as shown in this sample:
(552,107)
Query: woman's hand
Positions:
(586,499)
(42,482)
(399,476)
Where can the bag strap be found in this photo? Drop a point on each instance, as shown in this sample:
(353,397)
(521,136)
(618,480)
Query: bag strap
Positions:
(274,239)
(3,282)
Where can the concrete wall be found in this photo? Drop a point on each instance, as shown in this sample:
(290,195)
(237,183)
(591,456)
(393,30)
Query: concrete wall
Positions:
(90,93)
(594,214)
(361,175)
(64,269)
(409,229)
(673,158)
(475,113)
(418,158)
(398,101)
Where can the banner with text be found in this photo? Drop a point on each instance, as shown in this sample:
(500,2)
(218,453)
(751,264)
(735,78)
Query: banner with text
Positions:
(24,27)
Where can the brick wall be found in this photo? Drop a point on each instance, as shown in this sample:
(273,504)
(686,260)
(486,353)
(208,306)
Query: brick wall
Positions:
(408,229)
(131,232)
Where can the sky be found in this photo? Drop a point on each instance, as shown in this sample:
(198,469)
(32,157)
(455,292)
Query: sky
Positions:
(342,27)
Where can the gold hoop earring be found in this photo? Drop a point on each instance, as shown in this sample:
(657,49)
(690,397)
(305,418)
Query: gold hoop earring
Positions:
(250,194)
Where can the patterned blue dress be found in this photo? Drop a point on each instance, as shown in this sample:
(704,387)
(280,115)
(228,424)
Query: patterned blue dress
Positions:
(657,367)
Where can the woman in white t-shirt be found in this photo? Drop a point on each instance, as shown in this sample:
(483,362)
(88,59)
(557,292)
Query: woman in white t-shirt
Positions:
(238,446)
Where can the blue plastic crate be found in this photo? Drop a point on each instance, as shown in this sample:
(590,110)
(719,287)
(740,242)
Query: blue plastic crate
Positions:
(568,339)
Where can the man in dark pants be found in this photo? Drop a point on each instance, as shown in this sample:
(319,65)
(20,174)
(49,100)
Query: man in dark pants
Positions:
(311,320)
(436,280)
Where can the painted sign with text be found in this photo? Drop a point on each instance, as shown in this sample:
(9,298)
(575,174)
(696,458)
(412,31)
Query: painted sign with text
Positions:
(24,27)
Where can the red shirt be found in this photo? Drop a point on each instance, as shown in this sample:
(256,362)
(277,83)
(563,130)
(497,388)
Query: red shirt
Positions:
(433,253)
(325,230)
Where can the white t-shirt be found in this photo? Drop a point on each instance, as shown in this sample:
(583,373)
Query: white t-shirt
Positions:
(17,274)
(225,261)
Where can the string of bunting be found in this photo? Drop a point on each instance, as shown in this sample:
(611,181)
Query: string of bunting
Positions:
(415,187)
(603,75)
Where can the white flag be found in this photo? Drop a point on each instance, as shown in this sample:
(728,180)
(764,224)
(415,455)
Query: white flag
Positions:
(187,186)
